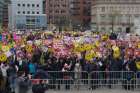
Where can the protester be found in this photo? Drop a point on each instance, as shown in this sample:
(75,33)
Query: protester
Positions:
(37,52)
(39,88)
(23,83)
(1,82)
(12,75)
(4,68)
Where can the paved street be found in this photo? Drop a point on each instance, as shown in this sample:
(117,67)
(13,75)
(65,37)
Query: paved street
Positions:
(95,91)
(85,89)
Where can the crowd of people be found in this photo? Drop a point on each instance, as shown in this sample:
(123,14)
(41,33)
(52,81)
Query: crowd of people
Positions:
(28,55)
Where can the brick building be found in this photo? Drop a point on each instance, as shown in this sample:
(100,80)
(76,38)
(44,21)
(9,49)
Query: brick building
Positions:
(57,12)
(80,11)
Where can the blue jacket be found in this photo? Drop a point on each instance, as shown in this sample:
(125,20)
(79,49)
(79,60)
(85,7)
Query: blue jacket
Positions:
(32,68)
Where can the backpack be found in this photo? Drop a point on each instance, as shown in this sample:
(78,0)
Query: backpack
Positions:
(23,83)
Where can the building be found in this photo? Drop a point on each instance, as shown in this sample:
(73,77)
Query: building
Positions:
(1,11)
(5,14)
(114,15)
(57,12)
(80,11)
(27,14)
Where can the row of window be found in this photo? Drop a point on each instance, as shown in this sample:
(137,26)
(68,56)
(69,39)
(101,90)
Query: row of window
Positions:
(58,5)
(28,12)
(78,2)
(55,0)
(28,5)
(116,1)
(57,11)
(119,16)
(130,8)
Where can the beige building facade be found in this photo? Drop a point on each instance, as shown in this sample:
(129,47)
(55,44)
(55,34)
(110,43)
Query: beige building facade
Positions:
(114,15)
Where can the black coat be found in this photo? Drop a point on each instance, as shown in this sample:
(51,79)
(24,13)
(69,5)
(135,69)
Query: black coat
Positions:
(39,88)
(115,65)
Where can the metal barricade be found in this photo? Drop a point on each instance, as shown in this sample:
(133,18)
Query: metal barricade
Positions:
(138,81)
(113,80)
(125,80)
(66,80)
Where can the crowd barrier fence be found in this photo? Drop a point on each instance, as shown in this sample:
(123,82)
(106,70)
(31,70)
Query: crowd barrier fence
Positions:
(127,80)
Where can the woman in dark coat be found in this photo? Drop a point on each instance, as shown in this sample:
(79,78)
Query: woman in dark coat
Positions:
(23,83)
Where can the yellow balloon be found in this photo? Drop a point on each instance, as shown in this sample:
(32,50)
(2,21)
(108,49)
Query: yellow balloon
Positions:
(75,44)
(138,45)
(104,37)
(116,52)
(138,65)
(97,43)
(88,47)
(89,56)
(3,58)
(79,48)
(29,48)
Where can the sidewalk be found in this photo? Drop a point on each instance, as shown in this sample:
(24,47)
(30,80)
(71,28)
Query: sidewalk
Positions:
(93,91)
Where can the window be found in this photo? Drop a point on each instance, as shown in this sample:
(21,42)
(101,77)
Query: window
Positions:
(33,20)
(23,12)
(103,9)
(136,16)
(33,12)
(28,5)
(58,5)
(18,12)
(28,12)
(23,5)
(57,11)
(37,5)
(50,11)
(33,5)
(51,5)
(37,20)
(18,4)
(120,29)
(37,12)
(103,29)
(64,5)
(63,11)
